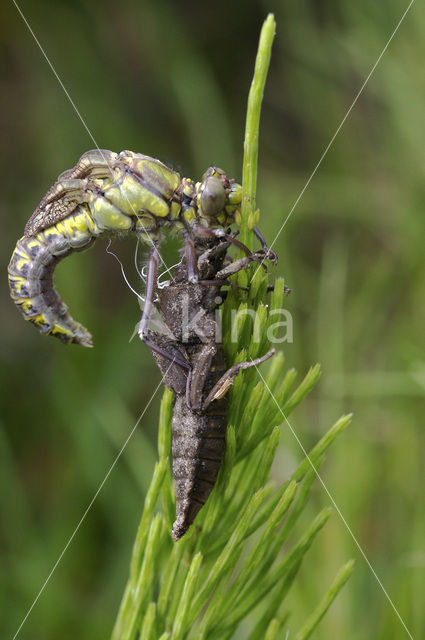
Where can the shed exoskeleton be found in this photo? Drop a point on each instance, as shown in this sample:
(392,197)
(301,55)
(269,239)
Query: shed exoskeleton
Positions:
(193,365)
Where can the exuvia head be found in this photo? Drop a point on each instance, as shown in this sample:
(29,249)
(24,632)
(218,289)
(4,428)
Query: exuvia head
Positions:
(218,197)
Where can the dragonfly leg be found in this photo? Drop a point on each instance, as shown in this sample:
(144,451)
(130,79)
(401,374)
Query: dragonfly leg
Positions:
(190,255)
(179,375)
(171,361)
(151,283)
(215,283)
(202,232)
(221,387)
(237,265)
(175,359)
(271,254)
(198,376)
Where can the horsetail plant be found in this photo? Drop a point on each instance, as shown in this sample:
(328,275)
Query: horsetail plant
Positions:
(230,568)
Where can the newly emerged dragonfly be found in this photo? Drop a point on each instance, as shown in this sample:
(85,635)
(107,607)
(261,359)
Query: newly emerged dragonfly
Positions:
(112,193)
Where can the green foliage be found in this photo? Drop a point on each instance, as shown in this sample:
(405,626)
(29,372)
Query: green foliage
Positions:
(224,569)
(230,566)
(253,114)
(312,622)
(173,84)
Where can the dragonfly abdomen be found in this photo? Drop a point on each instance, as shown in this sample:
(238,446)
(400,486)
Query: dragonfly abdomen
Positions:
(31,275)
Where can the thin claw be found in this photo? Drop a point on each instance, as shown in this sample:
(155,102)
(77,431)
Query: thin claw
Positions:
(225,382)
(190,253)
(151,281)
(269,254)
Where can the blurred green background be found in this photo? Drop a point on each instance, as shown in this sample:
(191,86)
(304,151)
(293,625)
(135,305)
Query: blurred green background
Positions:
(171,80)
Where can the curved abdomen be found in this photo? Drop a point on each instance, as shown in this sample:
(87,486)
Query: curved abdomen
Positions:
(31,275)
(105,193)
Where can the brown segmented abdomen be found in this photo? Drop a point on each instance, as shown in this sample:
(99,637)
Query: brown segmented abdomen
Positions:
(198,446)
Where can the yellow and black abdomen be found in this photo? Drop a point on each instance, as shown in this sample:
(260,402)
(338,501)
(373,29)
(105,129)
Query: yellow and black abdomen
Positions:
(105,193)
(31,275)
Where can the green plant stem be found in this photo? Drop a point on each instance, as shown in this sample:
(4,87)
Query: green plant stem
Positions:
(255,98)
(341,578)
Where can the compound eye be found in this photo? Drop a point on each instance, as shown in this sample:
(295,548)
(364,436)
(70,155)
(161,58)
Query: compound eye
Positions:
(213,197)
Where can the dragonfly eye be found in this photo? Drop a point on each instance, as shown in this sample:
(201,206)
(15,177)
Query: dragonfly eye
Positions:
(213,197)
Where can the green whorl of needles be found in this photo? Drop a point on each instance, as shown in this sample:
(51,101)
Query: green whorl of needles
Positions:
(241,556)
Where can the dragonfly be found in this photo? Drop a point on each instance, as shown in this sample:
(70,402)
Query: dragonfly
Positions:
(109,193)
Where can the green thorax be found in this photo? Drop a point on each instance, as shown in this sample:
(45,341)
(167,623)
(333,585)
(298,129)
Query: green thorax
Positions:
(129,191)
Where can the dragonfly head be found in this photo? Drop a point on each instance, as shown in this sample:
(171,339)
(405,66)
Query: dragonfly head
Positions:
(218,197)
